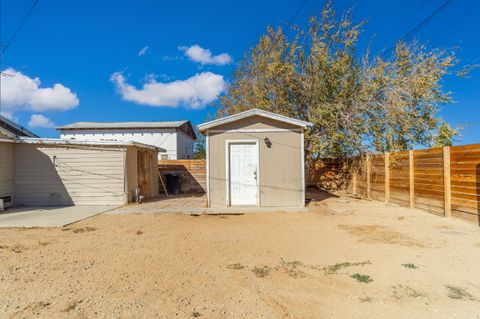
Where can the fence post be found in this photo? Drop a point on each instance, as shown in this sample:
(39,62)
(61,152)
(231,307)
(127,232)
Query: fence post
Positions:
(446,182)
(369,170)
(411,178)
(354,182)
(387,177)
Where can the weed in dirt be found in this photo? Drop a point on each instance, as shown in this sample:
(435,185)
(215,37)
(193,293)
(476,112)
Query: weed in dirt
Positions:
(17,248)
(401,218)
(366,279)
(196,314)
(365,299)
(235,266)
(409,266)
(291,268)
(83,229)
(261,271)
(399,291)
(333,269)
(455,292)
(139,232)
(33,307)
(43,243)
(72,305)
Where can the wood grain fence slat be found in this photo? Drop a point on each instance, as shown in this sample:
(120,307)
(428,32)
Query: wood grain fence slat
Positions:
(443,181)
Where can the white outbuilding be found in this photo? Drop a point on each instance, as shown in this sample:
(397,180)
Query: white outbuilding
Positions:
(176,138)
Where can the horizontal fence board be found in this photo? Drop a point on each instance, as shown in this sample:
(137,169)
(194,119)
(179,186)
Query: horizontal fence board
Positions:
(193,173)
(429,192)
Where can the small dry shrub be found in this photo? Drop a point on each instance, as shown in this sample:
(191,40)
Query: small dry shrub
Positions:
(17,248)
(400,291)
(366,279)
(235,266)
(334,269)
(261,271)
(455,292)
(291,268)
(72,305)
(83,230)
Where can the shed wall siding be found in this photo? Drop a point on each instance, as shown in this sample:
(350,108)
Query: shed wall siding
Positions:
(280,166)
(132,172)
(80,175)
(6,169)
(255,122)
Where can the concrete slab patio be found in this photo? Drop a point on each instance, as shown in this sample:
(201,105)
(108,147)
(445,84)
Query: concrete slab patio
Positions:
(193,204)
(48,216)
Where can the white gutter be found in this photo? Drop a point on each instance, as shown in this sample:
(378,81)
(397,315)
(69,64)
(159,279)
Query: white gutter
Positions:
(64,142)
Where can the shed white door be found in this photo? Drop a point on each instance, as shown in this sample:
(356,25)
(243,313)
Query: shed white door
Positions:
(243,170)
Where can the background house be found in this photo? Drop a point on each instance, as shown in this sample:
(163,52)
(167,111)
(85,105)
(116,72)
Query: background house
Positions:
(177,137)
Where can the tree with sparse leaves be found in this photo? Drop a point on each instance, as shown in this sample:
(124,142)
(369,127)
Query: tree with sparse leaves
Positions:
(357,103)
(199,150)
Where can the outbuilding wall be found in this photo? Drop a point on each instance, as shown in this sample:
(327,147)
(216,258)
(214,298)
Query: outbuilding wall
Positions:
(74,175)
(151,173)
(6,169)
(280,173)
(177,144)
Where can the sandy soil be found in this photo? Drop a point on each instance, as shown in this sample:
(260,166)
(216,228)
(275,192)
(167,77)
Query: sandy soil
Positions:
(344,259)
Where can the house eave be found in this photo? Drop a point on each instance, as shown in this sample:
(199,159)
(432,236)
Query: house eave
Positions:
(202,128)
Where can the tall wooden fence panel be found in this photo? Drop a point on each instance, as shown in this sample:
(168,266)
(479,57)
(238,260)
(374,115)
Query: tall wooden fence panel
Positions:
(192,172)
(465,181)
(361,177)
(428,180)
(400,178)
(377,177)
(443,181)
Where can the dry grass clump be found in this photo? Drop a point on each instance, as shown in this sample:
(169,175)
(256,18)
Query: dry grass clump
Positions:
(72,305)
(291,268)
(83,229)
(235,266)
(17,248)
(261,271)
(455,292)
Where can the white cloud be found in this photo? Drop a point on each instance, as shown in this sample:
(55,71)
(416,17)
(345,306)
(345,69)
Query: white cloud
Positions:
(195,92)
(22,93)
(38,120)
(204,56)
(143,51)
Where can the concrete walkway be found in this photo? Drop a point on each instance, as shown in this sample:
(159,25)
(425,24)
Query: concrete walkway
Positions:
(193,205)
(48,216)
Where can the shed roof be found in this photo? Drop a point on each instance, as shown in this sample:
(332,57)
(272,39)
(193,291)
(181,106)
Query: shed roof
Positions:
(184,126)
(65,142)
(235,117)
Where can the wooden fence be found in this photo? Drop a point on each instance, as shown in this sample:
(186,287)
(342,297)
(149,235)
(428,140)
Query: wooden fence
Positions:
(444,181)
(193,173)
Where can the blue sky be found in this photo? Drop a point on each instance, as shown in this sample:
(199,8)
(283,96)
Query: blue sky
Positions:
(81,44)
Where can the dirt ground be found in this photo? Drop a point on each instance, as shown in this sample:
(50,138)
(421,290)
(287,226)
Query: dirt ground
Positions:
(346,258)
